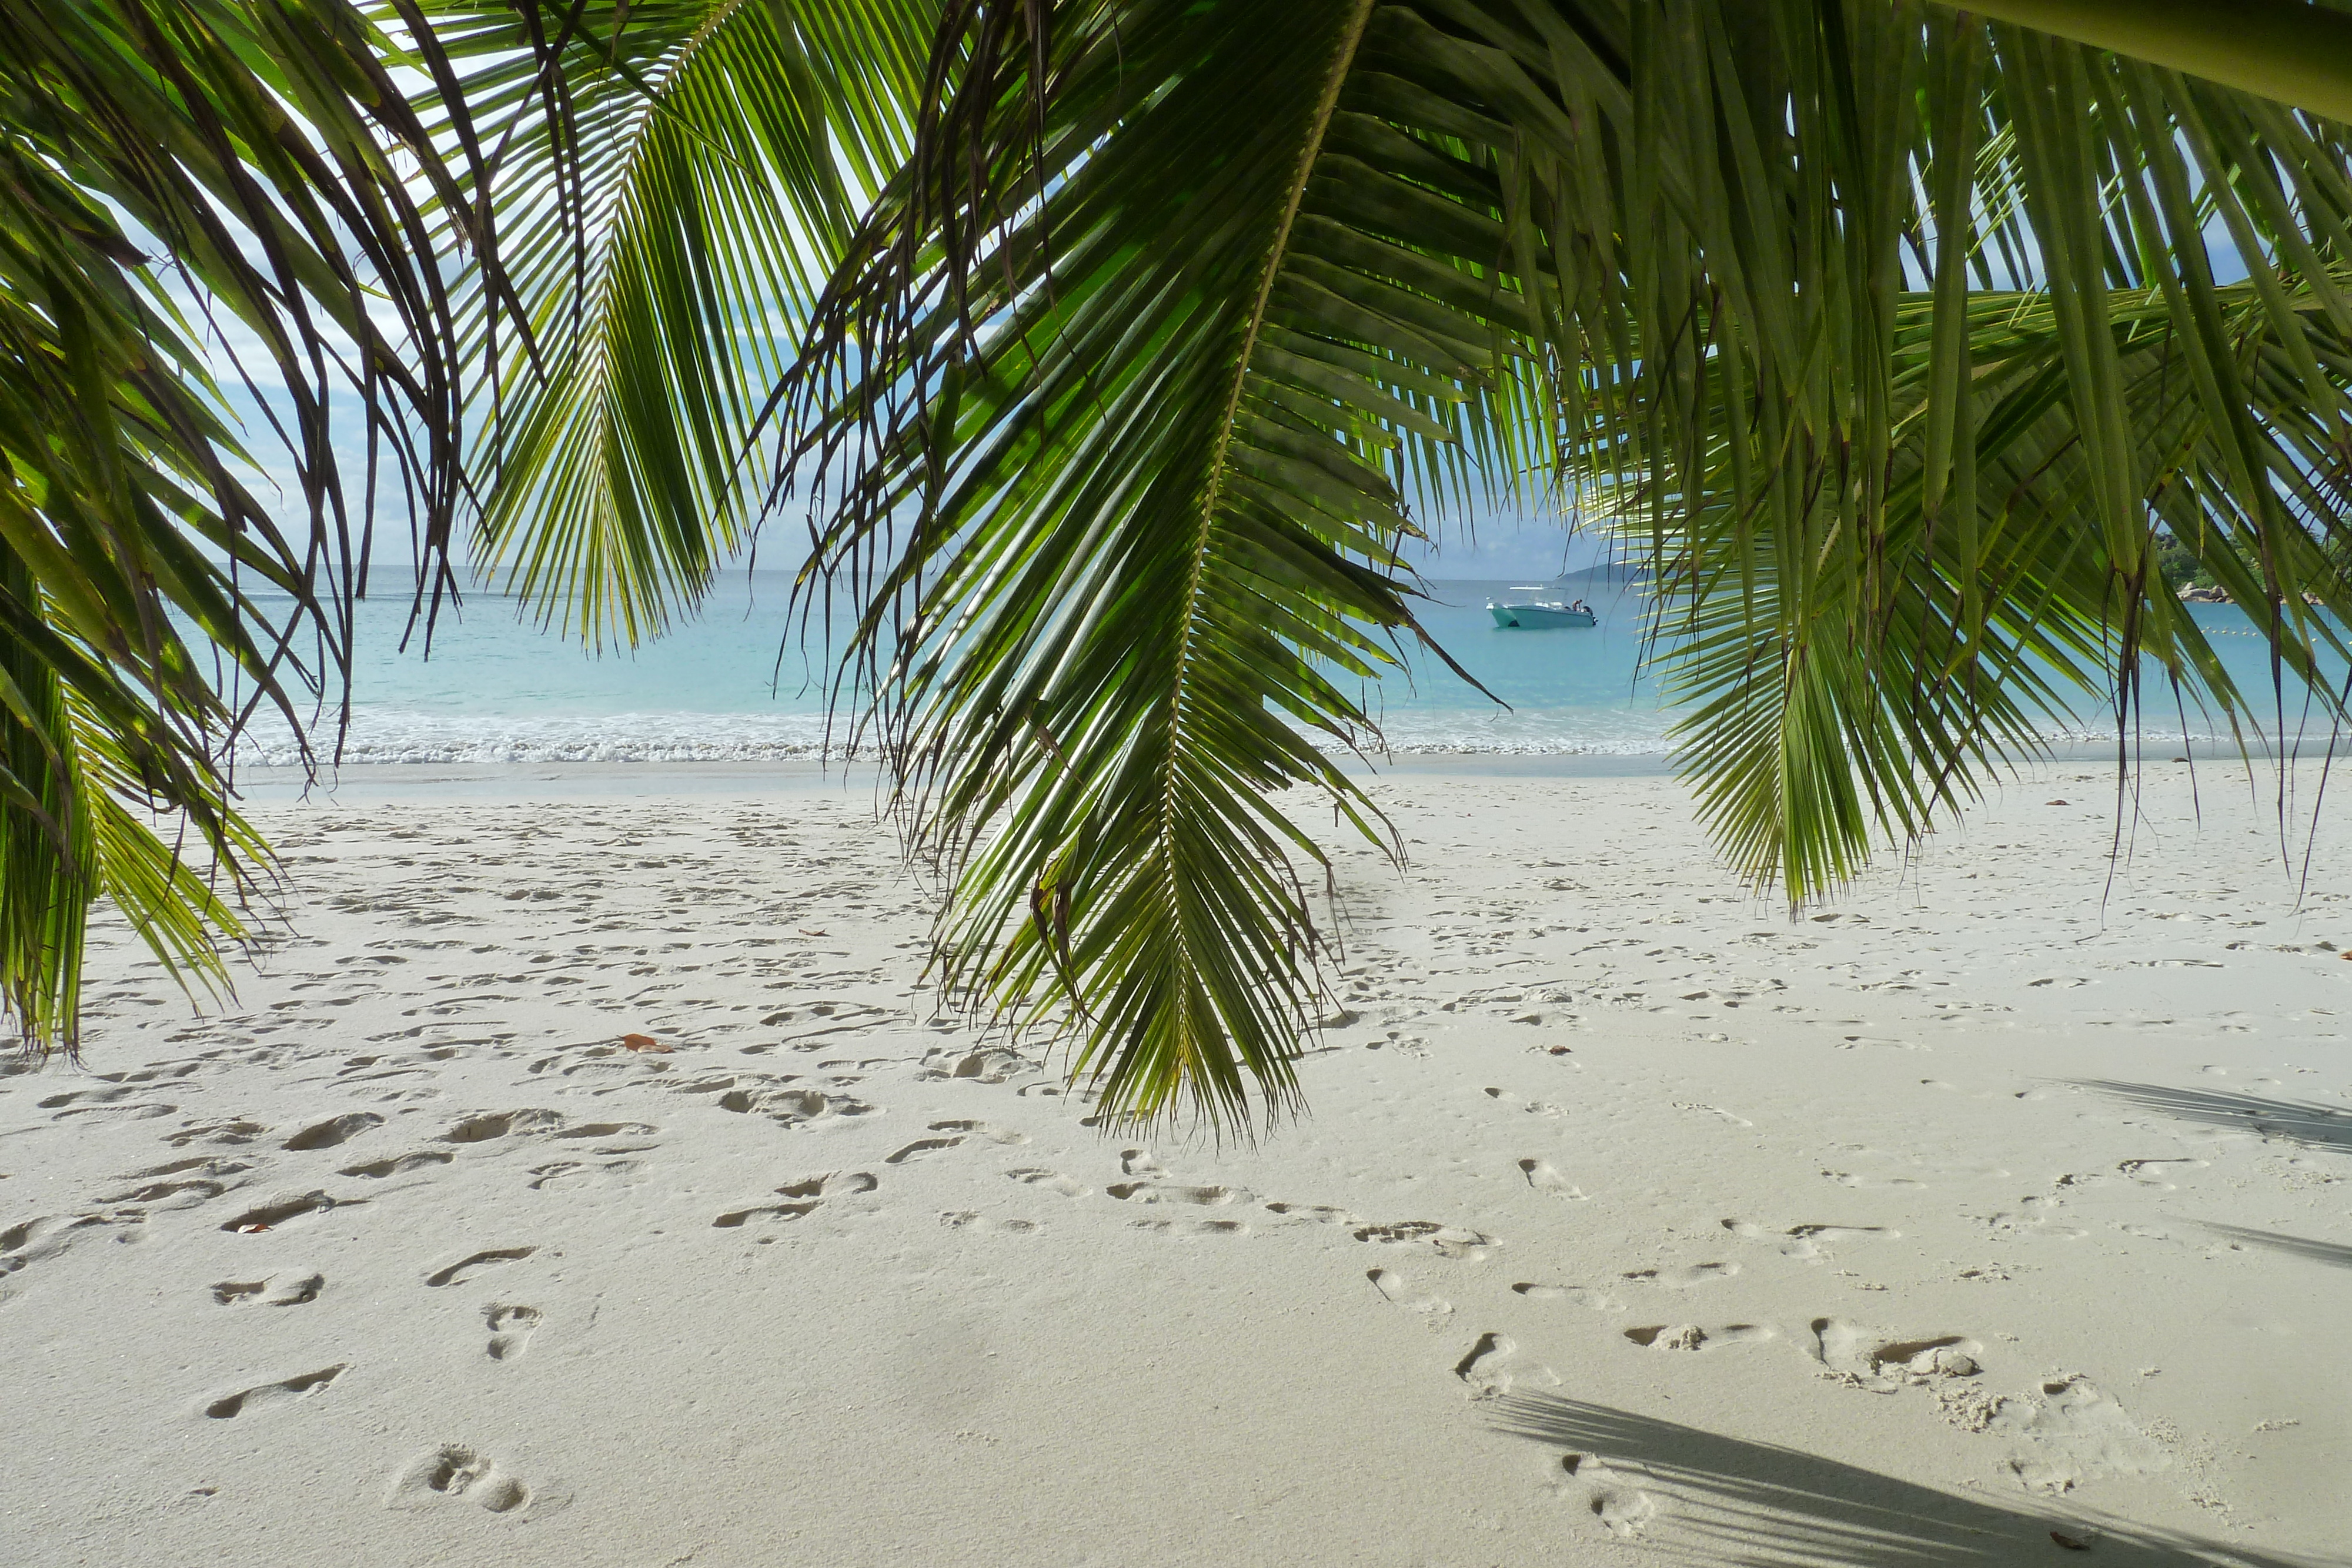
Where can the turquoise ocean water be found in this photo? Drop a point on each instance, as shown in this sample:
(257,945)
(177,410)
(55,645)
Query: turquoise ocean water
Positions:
(734,685)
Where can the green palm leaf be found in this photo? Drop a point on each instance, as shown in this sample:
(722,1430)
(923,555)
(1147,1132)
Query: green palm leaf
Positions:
(248,148)
(1151,489)
(676,180)
(1902,516)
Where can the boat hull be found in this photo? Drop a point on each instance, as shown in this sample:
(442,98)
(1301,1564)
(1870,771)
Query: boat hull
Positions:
(1539,617)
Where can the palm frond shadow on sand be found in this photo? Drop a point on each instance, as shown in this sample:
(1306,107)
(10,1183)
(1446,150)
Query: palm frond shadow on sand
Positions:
(2337,1252)
(1726,1502)
(2305,1122)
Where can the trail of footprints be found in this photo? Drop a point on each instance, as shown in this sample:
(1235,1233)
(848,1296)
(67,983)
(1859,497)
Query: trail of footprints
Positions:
(2063,1427)
(2061,1430)
(450,1473)
(238,1175)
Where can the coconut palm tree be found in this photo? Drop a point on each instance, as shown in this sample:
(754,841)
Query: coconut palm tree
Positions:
(1115,350)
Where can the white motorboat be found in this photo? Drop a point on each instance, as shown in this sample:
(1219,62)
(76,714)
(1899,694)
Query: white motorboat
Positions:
(1539,614)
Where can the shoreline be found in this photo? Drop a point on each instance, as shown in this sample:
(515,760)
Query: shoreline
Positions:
(584,778)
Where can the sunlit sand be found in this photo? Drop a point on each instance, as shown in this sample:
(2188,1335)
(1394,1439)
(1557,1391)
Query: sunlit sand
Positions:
(1991,1203)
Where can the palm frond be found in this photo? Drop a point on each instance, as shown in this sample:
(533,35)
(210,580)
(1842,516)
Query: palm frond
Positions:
(676,180)
(176,177)
(1899,513)
(1140,388)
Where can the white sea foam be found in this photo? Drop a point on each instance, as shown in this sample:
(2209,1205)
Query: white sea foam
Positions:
(382,737)
(379,737)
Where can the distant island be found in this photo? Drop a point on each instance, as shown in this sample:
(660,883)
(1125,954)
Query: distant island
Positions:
(1609,572)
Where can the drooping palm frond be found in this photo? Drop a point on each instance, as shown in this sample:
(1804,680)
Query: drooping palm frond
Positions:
(176,177)
(675,182)
(1134,360)
(1898,512)
(1988,639)
(1118,383)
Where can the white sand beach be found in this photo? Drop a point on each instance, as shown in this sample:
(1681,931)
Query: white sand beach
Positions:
(1996,1211)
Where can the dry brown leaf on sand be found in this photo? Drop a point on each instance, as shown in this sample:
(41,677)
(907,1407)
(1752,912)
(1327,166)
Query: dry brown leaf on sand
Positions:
(645,1042)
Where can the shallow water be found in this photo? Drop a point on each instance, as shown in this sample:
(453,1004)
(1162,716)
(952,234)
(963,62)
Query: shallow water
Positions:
(734,685)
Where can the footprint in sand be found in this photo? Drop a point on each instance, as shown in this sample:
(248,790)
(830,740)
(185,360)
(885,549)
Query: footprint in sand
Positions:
(2068,1429)
(227,1133)
(1883,1362)
(455,1473)
(919,1149)
(983,1130)
(194,1166)
(1193,1227)
(614,1130)
(399,1164)
(1811,1242)
(1574,1295)
(991,1066)
(280,1212)
(466,1268)
(1713,1111)
(2036,1215)
(560,1176)
(511,1329)
(1848,1179)
(1313,1213)
(1619,1507)
(1544,1178)
(291,1288)
(832,1184)
(1680,1278)
(105,1104)
(265,1395)
(1494,1366)
(335,1129)
(794,1107)
(185,1193)
(1399,1291)
(2158,1173)
(973,1221)
(1690,1336)
(809,1190)
(1532,1107)
(484,1127)
(1446,1241)
(1052,1181)
(1174,1192)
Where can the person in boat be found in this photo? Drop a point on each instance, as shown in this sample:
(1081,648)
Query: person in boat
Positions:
(1579,604)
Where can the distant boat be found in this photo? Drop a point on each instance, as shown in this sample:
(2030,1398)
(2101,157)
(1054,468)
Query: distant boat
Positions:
(1539,614)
